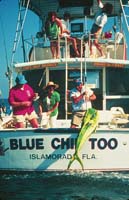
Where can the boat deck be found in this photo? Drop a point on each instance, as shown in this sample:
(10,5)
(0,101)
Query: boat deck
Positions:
(57,63)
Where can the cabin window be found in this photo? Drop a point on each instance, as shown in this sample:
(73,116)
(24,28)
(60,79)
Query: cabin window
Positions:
(117,81)
(123,103)
(77,27)
(93,77)
(75,3)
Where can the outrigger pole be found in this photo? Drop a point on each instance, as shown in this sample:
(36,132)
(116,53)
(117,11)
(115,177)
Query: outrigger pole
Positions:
(66,79)
(85,54)
(82,40)
(19,36)
(85,73)
(9,72)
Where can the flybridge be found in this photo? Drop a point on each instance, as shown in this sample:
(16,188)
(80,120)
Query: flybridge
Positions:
(76,61)
(76,8)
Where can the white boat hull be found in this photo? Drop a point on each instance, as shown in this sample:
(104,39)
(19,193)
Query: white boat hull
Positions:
(52,149)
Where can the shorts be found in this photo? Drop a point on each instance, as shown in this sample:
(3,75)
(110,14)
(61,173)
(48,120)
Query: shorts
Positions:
(94,30)
(78,117)
(22,118)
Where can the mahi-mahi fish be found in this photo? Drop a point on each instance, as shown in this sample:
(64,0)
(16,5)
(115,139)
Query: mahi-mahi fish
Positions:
(89,125)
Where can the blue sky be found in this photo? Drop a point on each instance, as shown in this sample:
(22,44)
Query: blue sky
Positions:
(8,21)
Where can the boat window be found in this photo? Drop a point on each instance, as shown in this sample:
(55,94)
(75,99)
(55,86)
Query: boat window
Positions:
(92,77)
(75,3)
(117,82)
(77,27)
(123,103)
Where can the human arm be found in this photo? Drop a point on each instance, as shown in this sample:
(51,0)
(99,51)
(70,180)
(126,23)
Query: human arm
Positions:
(76,99)
(88,94)
(59,23)
(20,104)
(84,94)
(90,98)
(100,3)
(40,110)
(53,108)
(15,102)
(66,31)
(65,25)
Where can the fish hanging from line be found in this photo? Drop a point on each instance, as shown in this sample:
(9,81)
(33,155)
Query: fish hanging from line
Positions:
(89,125)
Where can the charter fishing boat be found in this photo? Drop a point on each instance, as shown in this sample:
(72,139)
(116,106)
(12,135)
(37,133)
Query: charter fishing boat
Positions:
(63,148)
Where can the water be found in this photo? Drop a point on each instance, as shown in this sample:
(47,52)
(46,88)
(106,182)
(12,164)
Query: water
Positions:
(64,186)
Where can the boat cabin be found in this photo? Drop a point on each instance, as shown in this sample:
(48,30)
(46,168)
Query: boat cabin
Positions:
(108,76)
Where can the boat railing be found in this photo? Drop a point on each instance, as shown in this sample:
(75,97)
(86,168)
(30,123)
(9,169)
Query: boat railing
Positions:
(38,48)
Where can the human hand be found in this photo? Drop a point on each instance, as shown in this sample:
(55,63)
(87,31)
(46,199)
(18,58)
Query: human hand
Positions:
(40,114)
(87,98)
(48,113)
(26,103)
(68,32)
(36,96)
(84,93)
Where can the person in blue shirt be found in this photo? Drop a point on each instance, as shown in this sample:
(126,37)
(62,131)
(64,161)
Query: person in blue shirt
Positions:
(81,97)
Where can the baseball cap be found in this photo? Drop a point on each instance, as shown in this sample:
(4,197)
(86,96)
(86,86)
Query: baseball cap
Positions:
(20,79)
(77,82)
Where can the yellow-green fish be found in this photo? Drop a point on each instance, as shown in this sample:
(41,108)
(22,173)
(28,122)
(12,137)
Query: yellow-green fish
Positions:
(89,124)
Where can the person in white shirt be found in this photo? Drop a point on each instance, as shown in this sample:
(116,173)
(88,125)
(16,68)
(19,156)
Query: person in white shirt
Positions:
(81,97)
(66,33)
(99,23)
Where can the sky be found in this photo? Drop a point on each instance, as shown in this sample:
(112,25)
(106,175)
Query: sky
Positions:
(8,22)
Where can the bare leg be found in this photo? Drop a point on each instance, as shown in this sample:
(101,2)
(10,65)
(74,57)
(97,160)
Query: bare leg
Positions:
(19,125)
(73,40)
(73,126)
(95,41)
(57,49)
(34,123)
(90,45)
(53,49)
(98,46)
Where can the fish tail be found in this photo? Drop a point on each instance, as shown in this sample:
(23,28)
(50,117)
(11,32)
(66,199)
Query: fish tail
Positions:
(75,157)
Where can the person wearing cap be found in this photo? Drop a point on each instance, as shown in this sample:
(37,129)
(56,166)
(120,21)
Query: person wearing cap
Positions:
(21,98)
(98,25)
(81,97)
(50,103)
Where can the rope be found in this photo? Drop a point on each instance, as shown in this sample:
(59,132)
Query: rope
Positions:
(66,77)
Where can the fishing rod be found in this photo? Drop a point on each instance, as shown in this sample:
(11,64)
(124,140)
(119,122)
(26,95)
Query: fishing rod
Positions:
(8,73)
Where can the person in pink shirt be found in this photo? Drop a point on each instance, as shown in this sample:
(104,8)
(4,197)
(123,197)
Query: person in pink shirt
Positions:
(21,98)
